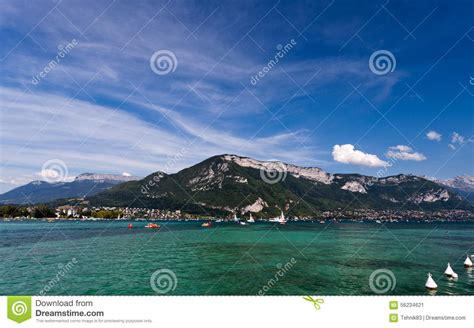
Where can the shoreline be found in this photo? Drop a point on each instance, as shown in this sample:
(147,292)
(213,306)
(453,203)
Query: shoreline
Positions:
(223,221)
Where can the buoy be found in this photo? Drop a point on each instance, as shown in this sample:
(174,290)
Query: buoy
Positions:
(449,271)
(130,226)
(430,283)
(467,262)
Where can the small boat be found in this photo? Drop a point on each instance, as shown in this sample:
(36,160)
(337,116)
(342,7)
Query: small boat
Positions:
(430,283)
(206,224)
(282,218)
(251,220)
(243,223)
(322,222)
(152,226)
(449,271)
(467,262)
(378,221)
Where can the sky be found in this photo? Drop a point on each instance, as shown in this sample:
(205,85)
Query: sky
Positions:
(133,87)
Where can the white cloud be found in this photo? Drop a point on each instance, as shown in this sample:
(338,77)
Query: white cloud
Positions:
(457,138)
(433,135)
(404,153)
(452,146)
(348,155)
(126,174)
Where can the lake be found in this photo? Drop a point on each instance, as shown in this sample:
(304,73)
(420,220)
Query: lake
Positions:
(106,258)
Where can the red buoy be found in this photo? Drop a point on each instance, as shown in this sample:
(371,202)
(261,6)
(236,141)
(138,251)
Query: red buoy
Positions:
(130,226)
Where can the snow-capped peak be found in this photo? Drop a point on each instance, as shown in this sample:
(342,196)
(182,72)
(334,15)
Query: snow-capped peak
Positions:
(310,173)
(462,182)
(105,177)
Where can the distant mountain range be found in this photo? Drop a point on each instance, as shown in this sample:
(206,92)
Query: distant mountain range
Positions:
(84,185)
(234,184)
(463,184)
(230,183)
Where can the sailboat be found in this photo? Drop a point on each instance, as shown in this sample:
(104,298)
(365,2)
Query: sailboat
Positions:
(430,283)
(251,220)
(236,219)
(282,219)
(467,262)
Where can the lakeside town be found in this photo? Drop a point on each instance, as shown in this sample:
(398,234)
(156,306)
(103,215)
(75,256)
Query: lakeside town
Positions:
(67,212)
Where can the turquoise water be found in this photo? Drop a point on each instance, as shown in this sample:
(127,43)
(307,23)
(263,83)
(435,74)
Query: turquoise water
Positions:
(228,259)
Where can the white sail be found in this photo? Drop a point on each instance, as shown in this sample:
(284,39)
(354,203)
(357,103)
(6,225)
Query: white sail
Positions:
(449,271)
(430,283)
(236,219)
(282,218)
(251,220)
(467,262)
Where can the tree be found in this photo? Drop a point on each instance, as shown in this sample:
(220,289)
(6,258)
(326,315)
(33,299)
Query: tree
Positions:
(43,211)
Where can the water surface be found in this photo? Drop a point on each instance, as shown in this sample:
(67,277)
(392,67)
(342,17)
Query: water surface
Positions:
(228,259)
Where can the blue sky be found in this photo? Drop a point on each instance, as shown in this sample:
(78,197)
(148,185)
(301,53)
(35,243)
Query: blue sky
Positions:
(100,107)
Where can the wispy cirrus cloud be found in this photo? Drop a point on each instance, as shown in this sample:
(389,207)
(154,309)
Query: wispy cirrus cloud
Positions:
(102,108)
(89,136)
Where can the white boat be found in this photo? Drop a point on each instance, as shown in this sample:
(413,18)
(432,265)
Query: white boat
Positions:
(236,219)
(282,219)
(467,262)
(378,221)
(243,223)
(251,220)
(430,283)
(449,271)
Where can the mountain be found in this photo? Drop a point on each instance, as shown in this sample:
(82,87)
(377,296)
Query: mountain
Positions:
(230,183)
(463,184)
(86,184)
